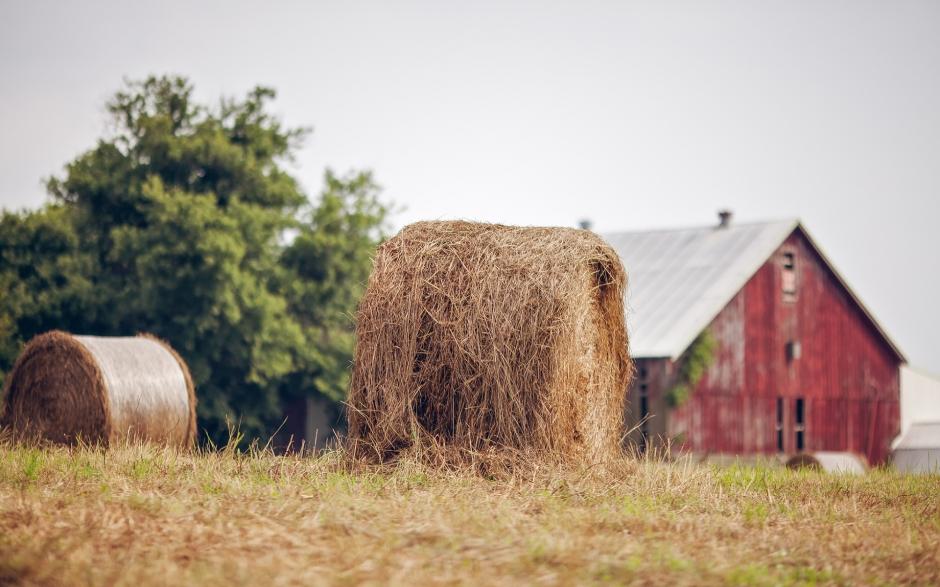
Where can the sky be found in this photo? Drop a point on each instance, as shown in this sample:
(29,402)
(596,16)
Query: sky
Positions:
(634,115)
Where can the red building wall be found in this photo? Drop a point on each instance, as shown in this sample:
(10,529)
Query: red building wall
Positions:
(847,375)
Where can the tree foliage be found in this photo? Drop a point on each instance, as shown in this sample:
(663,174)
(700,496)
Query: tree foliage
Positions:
(185,223)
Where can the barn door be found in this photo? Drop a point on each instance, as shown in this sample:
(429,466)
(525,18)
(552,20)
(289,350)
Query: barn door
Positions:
(799,424)
(791,425)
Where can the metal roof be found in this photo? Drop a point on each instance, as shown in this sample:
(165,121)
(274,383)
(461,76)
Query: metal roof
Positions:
(680,279)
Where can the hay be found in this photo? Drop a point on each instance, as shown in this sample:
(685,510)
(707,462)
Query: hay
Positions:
(479,337)
(99,390)
(829,462)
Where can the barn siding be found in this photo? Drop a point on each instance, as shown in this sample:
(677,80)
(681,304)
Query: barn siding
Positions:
(847,374)
(656,374)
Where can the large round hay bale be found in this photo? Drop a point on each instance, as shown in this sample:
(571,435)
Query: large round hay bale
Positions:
(829,462)
(482,336)
(99,390)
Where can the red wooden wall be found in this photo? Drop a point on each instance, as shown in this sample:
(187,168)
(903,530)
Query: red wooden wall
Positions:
(847,374)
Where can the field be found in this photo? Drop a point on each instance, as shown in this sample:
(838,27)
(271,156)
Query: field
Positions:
(141,516)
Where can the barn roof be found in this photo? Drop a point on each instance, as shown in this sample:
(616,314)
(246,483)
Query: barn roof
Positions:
(680,279)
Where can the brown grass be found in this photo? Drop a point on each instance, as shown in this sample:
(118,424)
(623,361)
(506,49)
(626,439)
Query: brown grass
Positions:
(482,337)
(66,388)
(143,516)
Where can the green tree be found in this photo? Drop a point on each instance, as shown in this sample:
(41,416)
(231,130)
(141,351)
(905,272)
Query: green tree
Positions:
(185,223)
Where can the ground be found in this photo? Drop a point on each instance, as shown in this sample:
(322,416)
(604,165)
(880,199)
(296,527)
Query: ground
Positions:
(143,516)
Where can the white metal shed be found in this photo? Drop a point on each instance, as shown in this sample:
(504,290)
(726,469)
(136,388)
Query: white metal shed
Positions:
(919,449)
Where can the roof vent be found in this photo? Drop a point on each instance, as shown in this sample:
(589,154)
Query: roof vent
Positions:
(724,218)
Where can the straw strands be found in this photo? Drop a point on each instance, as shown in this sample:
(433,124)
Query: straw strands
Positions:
(483,337)
(99,390)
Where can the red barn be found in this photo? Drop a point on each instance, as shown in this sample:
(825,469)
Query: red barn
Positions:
(747,341)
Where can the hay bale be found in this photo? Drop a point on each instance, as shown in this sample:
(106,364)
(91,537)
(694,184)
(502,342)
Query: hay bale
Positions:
(482,336)
(829,462)
(100,389)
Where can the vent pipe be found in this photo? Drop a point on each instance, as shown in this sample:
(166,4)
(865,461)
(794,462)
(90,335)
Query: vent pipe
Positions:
(724,218)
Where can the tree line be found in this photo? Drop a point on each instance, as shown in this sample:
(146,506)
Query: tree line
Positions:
(184,222)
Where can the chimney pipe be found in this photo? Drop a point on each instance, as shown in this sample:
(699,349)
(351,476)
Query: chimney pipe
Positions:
(724,218)
(585,224)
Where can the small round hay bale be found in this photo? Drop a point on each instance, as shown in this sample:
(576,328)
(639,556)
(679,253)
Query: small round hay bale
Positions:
(100,390)
(829,462)
(484,337)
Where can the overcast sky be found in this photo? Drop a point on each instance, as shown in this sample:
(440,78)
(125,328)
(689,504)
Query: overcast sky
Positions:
(635,115)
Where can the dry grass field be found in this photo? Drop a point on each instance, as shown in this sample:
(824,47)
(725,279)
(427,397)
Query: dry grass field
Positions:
(144,516)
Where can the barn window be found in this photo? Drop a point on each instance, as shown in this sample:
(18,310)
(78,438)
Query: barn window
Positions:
(800,424)
(789,276)
(779,424)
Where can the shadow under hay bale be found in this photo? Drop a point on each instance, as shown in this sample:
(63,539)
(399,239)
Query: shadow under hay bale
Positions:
(100,390)
(481,337)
